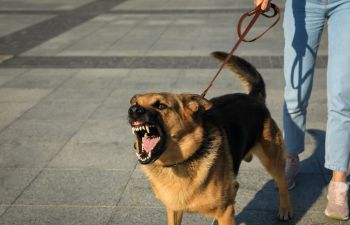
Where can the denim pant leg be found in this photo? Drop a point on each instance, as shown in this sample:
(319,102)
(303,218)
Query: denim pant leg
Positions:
(303,25)
(338,85)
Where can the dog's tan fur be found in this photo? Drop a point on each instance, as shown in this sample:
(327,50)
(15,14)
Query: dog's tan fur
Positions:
(206,185)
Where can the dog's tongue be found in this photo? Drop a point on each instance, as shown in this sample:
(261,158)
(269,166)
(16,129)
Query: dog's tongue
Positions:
(149,143)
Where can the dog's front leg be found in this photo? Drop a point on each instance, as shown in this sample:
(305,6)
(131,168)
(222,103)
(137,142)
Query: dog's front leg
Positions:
(174,217)
(226,217)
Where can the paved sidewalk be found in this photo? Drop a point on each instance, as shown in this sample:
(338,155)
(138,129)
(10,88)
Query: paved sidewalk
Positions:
(67,72)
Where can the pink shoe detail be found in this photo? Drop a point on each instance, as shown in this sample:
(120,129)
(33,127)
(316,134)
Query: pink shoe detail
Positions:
(337,207)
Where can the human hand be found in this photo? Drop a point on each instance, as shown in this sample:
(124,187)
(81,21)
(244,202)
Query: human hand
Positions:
(265,4)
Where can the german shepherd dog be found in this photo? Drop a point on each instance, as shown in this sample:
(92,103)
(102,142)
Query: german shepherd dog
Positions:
(191,148)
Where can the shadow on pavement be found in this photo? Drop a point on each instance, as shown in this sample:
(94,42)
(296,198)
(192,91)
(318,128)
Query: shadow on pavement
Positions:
(309,189)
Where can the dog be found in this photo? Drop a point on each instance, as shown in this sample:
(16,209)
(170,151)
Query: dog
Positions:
(191,148)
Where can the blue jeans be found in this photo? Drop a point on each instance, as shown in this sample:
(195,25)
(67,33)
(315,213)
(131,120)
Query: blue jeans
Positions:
(303,24)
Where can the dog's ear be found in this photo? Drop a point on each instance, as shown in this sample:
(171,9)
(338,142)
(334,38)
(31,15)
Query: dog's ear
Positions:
(133,99)
(196,103)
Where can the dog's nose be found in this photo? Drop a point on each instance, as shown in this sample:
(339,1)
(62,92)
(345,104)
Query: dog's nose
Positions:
(136,110)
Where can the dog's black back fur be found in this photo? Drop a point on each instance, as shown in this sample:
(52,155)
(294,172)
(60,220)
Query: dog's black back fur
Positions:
(243,125)
(241,116)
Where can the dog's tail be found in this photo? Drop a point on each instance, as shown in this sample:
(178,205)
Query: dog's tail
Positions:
(250,78)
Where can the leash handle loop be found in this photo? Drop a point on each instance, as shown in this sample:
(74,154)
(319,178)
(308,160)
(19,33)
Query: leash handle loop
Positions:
(241,36)
(257,12)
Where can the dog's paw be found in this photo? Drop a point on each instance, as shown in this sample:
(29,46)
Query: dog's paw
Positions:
(285,214)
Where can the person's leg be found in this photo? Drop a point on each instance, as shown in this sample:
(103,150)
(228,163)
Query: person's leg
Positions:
(303,25)
(338,125)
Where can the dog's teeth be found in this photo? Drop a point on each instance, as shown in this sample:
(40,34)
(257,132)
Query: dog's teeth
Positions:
(138,155)
(147,129)
(133,130)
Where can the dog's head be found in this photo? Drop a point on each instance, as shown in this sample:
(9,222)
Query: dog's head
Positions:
(167,126)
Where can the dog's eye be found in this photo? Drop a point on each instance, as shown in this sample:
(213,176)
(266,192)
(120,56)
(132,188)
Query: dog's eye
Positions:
(159,105)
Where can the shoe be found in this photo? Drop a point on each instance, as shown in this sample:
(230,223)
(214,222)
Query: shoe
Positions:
(292,169)
(337,207)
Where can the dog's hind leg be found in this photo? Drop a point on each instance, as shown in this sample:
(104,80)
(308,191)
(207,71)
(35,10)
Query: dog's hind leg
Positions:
(270,152)
(174,217)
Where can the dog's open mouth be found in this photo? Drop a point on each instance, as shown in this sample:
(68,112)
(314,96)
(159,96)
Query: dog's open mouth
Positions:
(150,141)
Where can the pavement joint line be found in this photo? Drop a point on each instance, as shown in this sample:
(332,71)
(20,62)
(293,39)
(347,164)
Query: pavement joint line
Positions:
(135,11)
(81,206)
(62,206)
(130,207)
(68,169)
(140,62)
(179,11)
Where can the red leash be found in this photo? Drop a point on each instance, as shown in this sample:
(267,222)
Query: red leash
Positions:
(241,36)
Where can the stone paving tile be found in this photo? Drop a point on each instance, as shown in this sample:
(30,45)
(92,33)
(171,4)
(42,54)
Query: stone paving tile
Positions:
(3,208)
(100,131)
(107,35)
(137,38)
(39,130)
(43,215)
(89,187)
(98,144)
(16,22)
(138,193)
(114,108)
(161,61)
(95,155)
(13,181)
(78,95)
(199,36)
(156,216)
(61,42)
(152,80)
(9,74)
(22,94)
(61,111)
(250,217)
(88,86)
(11,111)
(27,154)
(19,42)
(182,4)
(42,5)
(130,216)
(264,195)
(40,79)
